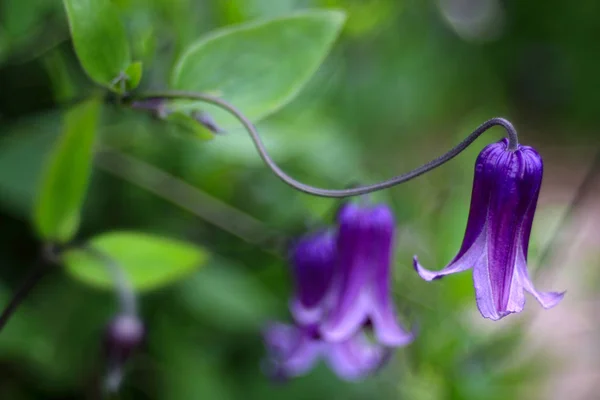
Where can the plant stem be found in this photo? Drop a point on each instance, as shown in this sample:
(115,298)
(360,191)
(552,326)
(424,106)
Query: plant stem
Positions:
(183,95)
(40,269)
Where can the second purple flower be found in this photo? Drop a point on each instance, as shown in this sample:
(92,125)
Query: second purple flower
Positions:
(342,279)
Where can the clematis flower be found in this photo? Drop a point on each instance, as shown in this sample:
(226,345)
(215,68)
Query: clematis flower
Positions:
(505,193)
(293,349)
(361,287)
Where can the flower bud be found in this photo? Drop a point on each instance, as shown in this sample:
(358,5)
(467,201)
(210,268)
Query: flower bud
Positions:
(123,335)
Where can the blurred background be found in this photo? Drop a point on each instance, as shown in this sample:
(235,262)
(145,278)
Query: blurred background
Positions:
(407,80)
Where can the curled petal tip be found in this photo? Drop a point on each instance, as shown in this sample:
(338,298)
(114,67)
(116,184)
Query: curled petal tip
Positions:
(550,299)
(424,273)
(405,340)
(395,338)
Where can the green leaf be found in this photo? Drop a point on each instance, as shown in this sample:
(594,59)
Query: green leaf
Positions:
(259,66)
(65,180)
(100,40)
(133,75)
(148,261)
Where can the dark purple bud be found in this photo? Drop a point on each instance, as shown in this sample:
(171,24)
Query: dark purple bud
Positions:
(505,193)
(123,335)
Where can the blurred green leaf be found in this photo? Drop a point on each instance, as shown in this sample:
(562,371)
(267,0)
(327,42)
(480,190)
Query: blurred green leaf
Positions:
(64,183)
(148,261)
(22,18)
(259,66)
(134,75)
(99,39)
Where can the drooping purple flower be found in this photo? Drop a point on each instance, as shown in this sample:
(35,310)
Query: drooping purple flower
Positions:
(294,350)
(505,193)
(361,285)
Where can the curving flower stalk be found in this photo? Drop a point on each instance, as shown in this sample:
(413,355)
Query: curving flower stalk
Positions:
(505,193)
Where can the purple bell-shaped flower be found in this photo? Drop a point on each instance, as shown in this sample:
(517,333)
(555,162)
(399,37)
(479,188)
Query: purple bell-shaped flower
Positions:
(361,286)
(294,348)
(505,193)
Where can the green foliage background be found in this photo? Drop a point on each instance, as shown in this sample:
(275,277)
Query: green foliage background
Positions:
(403,83)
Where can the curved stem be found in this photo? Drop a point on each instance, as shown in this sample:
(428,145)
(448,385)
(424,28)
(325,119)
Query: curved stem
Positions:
(262,151)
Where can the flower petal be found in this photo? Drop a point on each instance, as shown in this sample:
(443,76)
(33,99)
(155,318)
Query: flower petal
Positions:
(281,338)
(463,263)
(383,317)
(534,172)
(387,329)
(480,197)
(356,358)
(483,290)
(474,239)
(313,260)
(291,352)
(346,321)
(484,294)
(546,299)
(305,315)
(349,302)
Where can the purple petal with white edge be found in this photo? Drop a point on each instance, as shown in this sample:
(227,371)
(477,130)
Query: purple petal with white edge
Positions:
(350,303)
(546,299)
(356,358)
(347,320)
(534,173)
(386,327)
(464,263)
(484,293)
